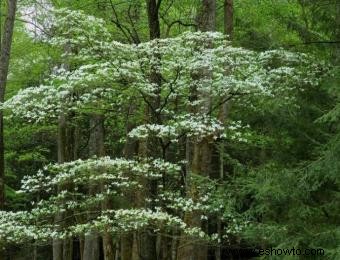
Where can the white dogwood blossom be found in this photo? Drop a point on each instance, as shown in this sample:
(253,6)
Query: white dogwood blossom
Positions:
(117,172)
(106,70)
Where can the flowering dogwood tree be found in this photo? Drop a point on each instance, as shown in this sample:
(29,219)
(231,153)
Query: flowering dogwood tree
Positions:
(102,76)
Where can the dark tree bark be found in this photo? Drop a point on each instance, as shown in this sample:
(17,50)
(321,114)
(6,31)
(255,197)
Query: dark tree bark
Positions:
(63,249)
(91,246)
(207,16)
(153,18)
(224,112)
(336,53)
(67,151)
(199,155)
(96,148)
(127,249)
(6,43)
(147,239)
(229,18)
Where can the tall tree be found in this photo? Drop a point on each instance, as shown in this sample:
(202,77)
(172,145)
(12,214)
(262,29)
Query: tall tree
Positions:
(199,161)
(223,113)
(336,54)
(6,44)
(229,18)
(67,151)
(148,148)
(96,148)
(62,249)
(153,18)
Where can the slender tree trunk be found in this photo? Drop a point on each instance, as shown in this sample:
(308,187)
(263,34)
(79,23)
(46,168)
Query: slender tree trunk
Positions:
(224,110)
(153,18)
(58,243)
(200,161)
(336,51)
(82,247)
(67,151)
(127,249)
(147,239)
(6,44)
(63,249)
(91,246)
(109,249)
(229,18)
(92,241)
(97,146)
(200,164)
(207,16)
(68,249)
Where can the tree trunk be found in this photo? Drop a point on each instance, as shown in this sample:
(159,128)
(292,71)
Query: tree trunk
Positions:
(6,44)
(229,18)
(207,16)
(147,239)
(127,249)
(336,52)
(82,247)
(91,246)
(63,249)
(92,241)
(108,247)
(96,148)
(68,249)
(200,161)
(224,111)
(58,243)
(153,18)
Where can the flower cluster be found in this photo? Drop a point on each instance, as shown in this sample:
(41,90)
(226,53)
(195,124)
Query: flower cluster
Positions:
(105,71)
(117,172)
(190,125)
